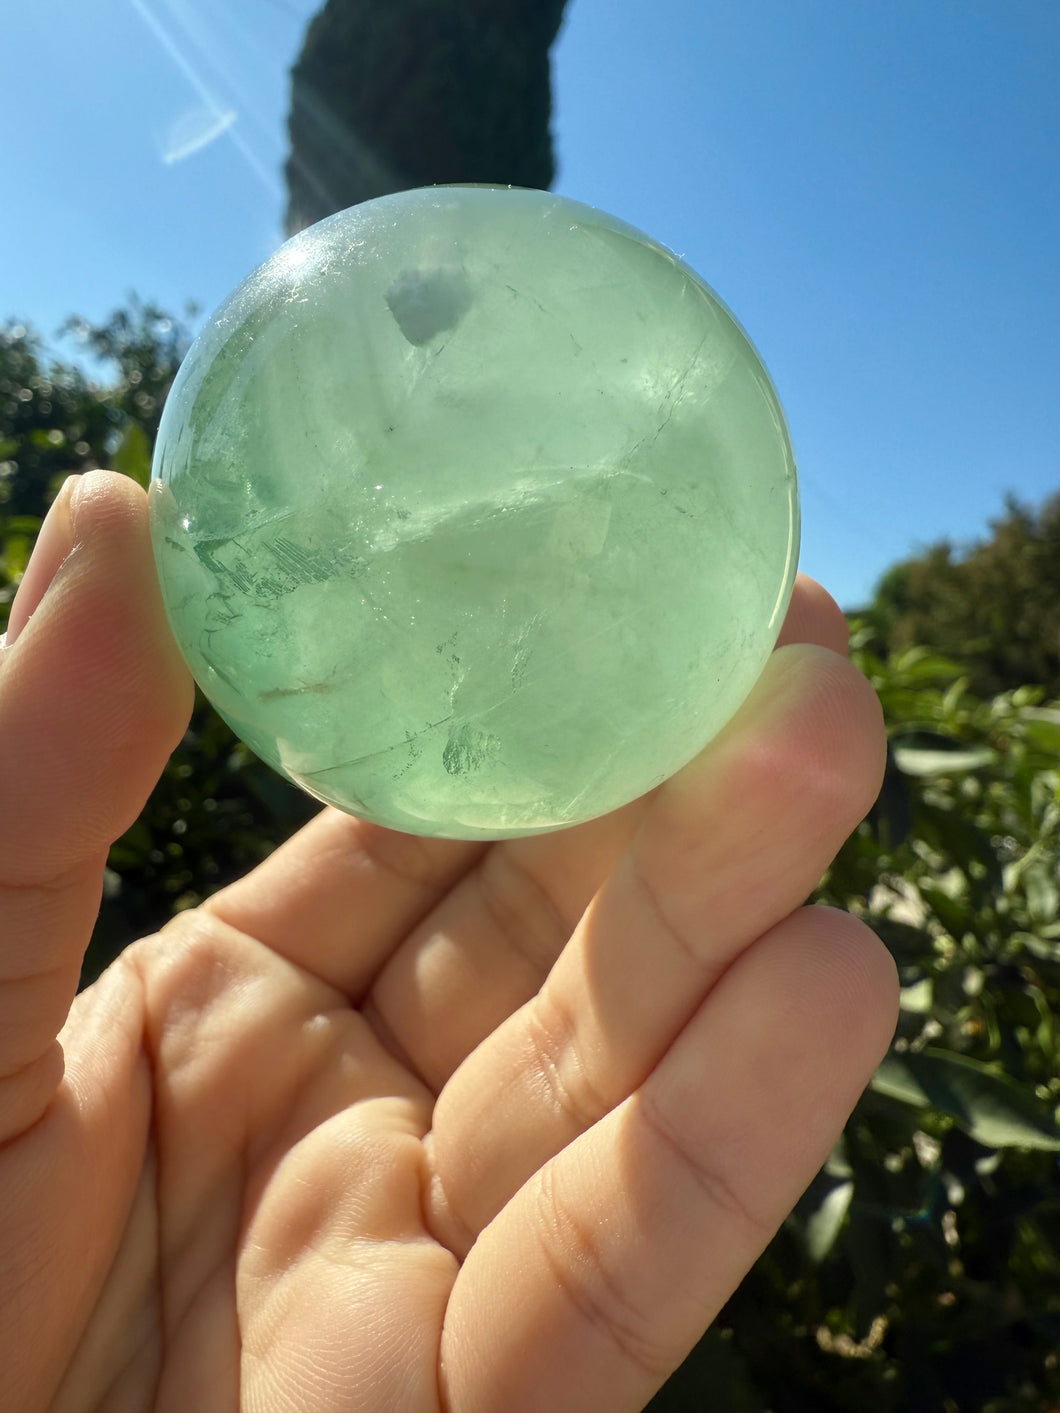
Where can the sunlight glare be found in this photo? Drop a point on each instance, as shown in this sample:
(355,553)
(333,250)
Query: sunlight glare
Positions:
(194,130)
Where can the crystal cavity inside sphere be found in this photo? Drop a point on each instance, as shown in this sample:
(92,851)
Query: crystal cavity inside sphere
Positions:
(475,512)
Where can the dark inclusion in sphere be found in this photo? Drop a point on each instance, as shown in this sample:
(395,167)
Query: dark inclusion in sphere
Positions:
(475,512)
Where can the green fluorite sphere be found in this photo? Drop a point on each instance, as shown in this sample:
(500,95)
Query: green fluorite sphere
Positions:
(474,511)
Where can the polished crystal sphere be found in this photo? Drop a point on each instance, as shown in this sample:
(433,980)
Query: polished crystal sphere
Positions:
(474,511)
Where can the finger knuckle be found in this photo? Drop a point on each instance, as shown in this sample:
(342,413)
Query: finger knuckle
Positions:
(556,1057)
(521,909)
(575,1255)
(708,1176)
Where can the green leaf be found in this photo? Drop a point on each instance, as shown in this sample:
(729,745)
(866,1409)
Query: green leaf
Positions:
(838,1164)
(918,998)
(919,760)
(133,455)
(824,1224)
(947,897)
(918,665)
(993,1109)
(1043,897)
(20,525)
(14,556)
(1042,947)
(951,699)
(1042,728)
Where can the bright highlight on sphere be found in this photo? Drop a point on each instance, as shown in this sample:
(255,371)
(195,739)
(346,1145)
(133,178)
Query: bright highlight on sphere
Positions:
(475,512)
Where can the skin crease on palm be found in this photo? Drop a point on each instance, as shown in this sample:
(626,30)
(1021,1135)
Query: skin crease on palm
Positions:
(395,1123)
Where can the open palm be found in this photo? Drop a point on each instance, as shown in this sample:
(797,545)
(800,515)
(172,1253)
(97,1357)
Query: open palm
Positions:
(395,1123)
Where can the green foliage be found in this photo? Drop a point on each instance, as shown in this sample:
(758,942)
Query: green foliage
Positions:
(921,1272)
(54,420)
(145,347)
(392,94)
(995,608)
(51,422)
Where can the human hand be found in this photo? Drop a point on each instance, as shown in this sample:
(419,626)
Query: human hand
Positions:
(396,1123)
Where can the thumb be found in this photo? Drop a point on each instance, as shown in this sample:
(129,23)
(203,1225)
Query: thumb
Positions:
(93,697)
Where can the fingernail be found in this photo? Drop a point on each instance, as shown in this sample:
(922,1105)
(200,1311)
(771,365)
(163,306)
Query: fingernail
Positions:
(54,542)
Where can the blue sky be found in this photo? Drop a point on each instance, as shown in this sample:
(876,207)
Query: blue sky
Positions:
(873,186)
